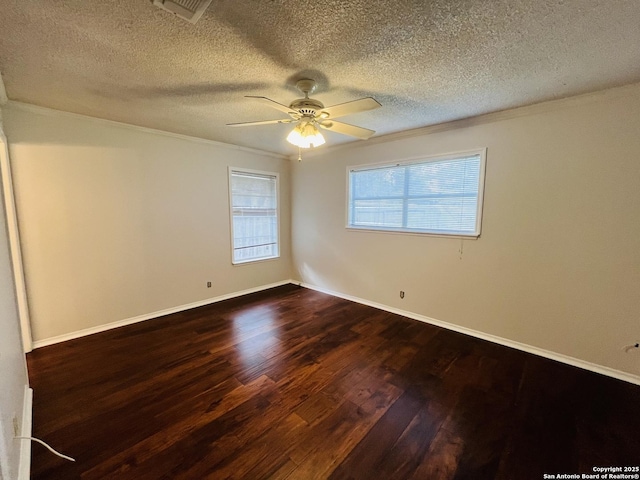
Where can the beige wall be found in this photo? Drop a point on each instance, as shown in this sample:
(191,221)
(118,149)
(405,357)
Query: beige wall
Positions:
(557,266)
(13,368)
(118,222)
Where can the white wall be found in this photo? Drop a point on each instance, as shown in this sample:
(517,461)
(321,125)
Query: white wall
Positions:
(557,266)
(13,368)
(118,222)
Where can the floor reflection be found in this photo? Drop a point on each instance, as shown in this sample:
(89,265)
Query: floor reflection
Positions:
(255,334)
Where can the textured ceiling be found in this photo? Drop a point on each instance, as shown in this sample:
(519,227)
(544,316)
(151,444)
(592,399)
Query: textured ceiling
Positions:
(426,62)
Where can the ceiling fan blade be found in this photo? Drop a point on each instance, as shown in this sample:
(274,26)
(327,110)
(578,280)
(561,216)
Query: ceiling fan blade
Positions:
(263,122)
(346,129)
(274,104)
(355,106)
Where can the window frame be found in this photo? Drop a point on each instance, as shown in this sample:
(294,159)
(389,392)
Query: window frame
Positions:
(482,152)
(276,175)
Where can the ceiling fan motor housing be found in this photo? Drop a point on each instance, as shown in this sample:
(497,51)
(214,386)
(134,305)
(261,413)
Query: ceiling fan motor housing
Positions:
(307,106)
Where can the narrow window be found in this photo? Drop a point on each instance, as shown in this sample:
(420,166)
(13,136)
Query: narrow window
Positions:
(254,215)
(439,195)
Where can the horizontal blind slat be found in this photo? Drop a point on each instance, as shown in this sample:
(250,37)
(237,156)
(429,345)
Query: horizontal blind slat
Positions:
(254,214)
(440,195)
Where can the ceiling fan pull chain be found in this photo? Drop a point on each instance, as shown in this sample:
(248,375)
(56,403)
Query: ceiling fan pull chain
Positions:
(299,154)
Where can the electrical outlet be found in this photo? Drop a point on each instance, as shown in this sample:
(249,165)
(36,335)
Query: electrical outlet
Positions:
(16,427)
(401,294)
(208,284)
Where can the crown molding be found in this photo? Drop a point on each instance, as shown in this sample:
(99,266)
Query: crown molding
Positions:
(37,109)
(492,117)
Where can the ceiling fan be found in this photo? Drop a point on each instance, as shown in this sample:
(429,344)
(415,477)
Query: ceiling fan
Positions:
(308,114)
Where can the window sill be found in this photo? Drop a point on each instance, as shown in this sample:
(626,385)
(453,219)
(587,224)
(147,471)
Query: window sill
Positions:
(467,236)
(254,260)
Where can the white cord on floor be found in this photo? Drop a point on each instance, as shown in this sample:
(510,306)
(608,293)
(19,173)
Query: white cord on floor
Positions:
(47,447)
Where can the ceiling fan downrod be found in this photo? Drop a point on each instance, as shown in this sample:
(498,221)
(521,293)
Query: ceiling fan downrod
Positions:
(306,86)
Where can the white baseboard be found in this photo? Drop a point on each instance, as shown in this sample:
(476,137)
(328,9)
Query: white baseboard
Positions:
(140,318)
(24,468)
(610,372)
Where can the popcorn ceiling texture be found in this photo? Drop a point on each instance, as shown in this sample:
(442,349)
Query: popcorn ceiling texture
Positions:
(427,62)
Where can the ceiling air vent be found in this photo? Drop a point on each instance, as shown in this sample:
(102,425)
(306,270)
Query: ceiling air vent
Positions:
(190,10)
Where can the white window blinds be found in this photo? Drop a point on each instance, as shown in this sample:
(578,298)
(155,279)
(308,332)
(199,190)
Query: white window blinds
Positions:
(439,196)
(254,215)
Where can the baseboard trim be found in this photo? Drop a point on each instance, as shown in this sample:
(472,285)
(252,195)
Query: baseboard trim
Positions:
(610,372)
(160,313)
(24,468)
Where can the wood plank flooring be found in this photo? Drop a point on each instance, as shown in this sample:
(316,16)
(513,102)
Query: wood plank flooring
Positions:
(294,384)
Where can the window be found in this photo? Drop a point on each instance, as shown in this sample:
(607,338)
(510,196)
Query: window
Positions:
(440,195)
(254,215)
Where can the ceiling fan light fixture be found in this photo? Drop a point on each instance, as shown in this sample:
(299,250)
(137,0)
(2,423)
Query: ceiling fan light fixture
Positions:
(305,135)
(309,114)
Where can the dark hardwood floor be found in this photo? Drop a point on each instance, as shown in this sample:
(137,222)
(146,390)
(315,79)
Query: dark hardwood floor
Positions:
(291,383)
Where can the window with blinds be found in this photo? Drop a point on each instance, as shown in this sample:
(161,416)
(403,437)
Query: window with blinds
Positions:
(440,196)
(254,215)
